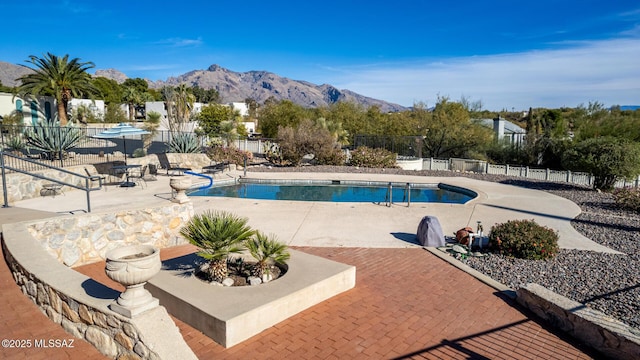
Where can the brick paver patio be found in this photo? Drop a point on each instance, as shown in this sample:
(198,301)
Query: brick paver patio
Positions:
(407,303)
(20,319)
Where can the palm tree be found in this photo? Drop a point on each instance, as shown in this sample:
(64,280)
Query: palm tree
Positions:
(217,234)
(131,97)
(267,250)
(61,78)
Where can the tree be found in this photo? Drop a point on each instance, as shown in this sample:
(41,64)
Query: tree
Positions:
(206,96)
(279,114)
(131,97)
(450,132)
(607,158)
(114,114)
(211,116)
(61,78)
(140,85)
(110,90)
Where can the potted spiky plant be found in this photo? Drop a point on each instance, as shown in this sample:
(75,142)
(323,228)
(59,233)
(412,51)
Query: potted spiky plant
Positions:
(217,234)
(267,251)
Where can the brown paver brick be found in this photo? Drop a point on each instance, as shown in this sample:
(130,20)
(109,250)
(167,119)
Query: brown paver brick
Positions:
(21,319)
(407,303)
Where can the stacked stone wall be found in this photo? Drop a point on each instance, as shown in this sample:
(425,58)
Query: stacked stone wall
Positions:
(85,238)
(113,335)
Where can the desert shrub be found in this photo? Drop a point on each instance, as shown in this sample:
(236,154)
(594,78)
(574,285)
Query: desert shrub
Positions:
(607,158)
(373,158)
(524,239)
(233,155)
(627,198)
(308,138)
(333,156)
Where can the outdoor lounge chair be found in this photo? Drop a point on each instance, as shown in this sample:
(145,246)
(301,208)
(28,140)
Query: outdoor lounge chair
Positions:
(96,177)
(217,168)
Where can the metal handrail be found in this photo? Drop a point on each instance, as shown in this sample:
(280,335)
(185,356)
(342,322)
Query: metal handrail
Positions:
(87,179)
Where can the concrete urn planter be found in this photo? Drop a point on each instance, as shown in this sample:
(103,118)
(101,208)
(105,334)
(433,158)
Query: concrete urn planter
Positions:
(132,266)
(180,185)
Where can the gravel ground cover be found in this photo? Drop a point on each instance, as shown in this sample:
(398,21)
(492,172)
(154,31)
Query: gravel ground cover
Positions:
(607,282)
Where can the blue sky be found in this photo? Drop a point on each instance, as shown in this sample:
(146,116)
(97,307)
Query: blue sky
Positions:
(506,54)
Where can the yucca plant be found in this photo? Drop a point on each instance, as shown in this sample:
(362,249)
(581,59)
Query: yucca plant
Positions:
(267,250)
(217,234)
(184,143)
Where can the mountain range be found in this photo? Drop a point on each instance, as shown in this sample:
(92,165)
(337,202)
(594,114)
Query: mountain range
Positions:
(237,87)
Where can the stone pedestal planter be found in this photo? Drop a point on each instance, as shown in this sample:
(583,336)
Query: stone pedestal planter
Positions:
(180,184)
(132,266)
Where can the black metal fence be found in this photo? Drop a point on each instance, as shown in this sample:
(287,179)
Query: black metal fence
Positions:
(56,145)
(410,146)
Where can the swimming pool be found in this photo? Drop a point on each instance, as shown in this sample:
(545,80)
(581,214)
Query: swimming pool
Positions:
(339,191)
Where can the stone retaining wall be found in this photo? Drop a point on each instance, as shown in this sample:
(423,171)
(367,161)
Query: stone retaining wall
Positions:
(609,336)
(80,304)
(113,335)
(85,238)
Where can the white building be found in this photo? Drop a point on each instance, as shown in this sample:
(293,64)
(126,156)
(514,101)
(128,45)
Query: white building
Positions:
(33,109)
(95,106)
(504,129)
(241,107)
(43,108)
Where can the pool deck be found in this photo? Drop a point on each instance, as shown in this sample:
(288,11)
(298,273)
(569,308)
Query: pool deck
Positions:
(407,302)
(299,223)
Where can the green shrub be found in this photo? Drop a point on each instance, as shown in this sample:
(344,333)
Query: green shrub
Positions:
(607,158)
(524,239)
(373,158)
(226,153)
(627,198)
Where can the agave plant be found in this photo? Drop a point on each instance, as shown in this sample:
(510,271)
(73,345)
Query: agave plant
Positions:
(53,139)
(267,250)
(184,143)
(217,234)
(15,143)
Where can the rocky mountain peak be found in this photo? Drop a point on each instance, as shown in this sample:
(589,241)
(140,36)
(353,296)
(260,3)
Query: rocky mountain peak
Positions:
(237,87)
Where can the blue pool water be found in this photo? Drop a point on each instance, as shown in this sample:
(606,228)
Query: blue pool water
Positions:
(333,193)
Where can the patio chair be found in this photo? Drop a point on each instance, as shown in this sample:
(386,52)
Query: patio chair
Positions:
(138,178)
(93,177)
